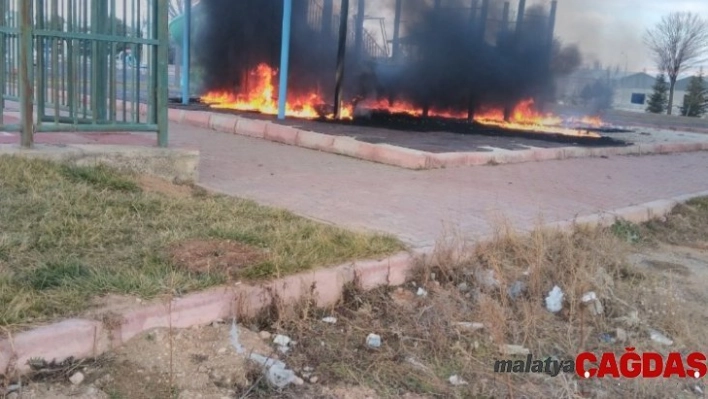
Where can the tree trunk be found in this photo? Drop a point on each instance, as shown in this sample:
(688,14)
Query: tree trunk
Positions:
(672,85)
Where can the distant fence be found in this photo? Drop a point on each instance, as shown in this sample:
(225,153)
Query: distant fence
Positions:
(81,65)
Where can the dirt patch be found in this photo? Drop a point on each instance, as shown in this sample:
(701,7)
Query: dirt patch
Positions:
(209,256)
(153,184)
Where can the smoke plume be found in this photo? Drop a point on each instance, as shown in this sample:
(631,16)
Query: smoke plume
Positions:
(450,59)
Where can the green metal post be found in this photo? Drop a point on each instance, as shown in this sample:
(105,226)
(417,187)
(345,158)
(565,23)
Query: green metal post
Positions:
(2,64)
(100,60)
(41,65)
(162,21)
(26,114)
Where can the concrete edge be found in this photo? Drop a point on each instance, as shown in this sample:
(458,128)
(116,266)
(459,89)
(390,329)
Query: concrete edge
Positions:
(167,163)
(88,338)
(405,157)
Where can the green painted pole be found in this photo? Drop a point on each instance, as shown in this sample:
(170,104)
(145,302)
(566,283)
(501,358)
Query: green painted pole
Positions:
(26,66)
(163,36)
(284,59)
(186,50)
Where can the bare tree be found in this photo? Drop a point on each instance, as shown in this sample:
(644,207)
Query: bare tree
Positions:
(679,42)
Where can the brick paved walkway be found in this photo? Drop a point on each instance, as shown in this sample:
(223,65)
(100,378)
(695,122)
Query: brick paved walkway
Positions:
(419,205)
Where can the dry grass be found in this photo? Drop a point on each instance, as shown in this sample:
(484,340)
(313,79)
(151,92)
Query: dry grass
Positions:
(423,345)
(68,234)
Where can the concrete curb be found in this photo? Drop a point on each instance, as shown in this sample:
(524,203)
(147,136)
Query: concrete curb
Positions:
(82,338)
(404,157)
(88,338)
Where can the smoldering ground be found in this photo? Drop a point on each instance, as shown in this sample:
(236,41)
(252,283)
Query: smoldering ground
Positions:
(450,58)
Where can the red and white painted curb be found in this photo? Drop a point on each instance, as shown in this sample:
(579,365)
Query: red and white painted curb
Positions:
(88,338)
(405,157)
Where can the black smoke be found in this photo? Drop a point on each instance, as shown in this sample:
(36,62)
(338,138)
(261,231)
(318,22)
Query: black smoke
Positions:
(452,61)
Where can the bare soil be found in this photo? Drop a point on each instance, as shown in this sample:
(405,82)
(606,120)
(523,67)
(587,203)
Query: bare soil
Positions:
(214,256)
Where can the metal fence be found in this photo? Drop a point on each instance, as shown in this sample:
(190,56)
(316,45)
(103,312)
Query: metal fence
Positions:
(84,65)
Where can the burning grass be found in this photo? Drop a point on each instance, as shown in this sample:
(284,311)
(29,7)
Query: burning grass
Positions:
(261,96)
(69,234)
(502,285)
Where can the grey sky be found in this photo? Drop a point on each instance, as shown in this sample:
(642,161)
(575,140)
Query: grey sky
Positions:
(611,30)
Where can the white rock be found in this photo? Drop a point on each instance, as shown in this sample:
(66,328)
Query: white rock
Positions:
(77,378)
(422,292)
(658,337)
(313,380)
(589,297)
(554,300)
(456,380)
(373,341)
(221,351)
(264,335)
(281,340)
(514,350)
(330,320)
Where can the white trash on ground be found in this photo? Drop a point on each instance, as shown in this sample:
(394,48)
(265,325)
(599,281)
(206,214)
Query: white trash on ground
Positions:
(456,380)
(276,372)
(658,337)
(554,300)
(373,341)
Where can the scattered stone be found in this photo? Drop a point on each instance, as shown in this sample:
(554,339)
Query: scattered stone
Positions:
(456,380)
(660,338)
(77,378)
(373,341)
(470,326)
(589,297)
(314,379)
(264,335)
(308,369)
(593,303)
(554,300)
(221,351)
(330,320)
(422,292)
(463,287)
(486,278)
(517,289)
(621,335)
(281,340)
(514,350)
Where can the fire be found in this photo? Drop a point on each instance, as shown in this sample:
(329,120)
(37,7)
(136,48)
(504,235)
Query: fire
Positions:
(261,96)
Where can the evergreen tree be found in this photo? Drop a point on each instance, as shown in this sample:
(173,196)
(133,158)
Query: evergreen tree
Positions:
(659,99)
(695,103)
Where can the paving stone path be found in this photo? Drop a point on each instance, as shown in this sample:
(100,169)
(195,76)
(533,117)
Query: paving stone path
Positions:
(420,206)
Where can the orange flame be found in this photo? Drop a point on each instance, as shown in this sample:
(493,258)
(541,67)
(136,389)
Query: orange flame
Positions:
(261,96)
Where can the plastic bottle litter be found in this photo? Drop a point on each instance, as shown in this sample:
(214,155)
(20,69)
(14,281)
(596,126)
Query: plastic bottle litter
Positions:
(658,337)
(276,372)
(554,300)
